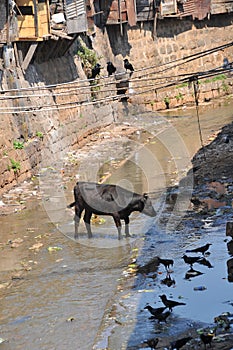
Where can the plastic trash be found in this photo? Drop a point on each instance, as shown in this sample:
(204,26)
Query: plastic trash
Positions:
(200,288)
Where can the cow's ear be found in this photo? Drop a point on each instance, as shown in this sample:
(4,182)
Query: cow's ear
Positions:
(145,195)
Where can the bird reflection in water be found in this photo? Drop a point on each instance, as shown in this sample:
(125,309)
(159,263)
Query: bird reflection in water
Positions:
(230,262)
(168,281)
(192,273)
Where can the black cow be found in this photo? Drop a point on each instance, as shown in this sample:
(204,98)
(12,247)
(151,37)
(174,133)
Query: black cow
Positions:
(105,199)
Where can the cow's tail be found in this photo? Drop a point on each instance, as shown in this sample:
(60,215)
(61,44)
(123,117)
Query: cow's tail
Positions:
(71,205)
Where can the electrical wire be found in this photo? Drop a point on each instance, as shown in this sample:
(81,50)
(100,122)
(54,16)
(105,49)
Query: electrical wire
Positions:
(155,84)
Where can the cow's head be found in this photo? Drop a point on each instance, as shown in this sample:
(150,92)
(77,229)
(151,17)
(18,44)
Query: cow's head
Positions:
(148,207)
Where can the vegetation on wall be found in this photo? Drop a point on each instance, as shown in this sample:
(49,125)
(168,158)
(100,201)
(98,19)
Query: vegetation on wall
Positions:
(88,57)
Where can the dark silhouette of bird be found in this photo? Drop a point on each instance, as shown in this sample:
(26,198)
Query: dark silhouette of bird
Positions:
(128,65)
(168,281)
(195,201)
(190,260)
(95,71)
(170,303)
(192,273)
(110,68)
(179,343)
(205,262)
(152,342)
(206,339)
(166,262)
(162,317)
(155,311)
(201,249)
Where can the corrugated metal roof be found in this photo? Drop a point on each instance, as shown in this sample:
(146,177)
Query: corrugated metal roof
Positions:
(186,8)
(76,16)
(74,8)
(196,8)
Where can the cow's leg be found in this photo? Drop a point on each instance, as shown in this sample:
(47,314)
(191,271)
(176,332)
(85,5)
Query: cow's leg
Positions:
(87,220)
(77,217)
(117,221)
(127,227)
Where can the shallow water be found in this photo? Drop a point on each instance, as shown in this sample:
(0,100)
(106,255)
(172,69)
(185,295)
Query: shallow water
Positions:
(61,301)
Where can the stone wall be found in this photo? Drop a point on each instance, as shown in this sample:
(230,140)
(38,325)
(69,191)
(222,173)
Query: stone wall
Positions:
(164,46)
(46,134)
(50,132)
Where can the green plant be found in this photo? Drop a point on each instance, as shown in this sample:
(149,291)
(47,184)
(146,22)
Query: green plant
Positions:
(216,78)
(15,166)
(225,88)
(167,101)
(179,96)
(40,135)
(18,145)
(182,85)
(88,57)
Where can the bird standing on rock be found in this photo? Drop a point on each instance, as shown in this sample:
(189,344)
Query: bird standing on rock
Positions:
(110,68)
(170,303)
(166,262)
(155,311)
(179,343)
(152,343)
(206,339)
(190,260)
(162,317)
(201,249)
(128,66)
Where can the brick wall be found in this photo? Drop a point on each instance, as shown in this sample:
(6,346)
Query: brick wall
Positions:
(2,22)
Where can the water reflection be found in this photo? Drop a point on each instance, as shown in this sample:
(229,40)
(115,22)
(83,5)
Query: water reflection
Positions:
(230,261)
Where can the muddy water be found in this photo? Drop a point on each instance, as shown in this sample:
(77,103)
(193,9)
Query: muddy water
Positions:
(59,302)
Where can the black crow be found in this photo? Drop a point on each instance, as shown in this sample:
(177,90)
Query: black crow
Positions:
(166,262)
(170,303)
(95,71)
(201,249)
(155,311)
(206,339)
(162,317)
(128,65)
(152,343)
(179,343)
(190,260)
(110,68)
